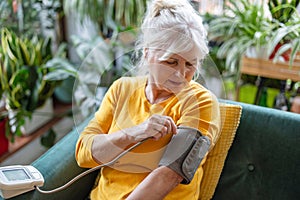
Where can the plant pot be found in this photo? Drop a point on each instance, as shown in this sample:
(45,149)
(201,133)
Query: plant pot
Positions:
(254,52)
(3,140)
(39,117)
(64,92)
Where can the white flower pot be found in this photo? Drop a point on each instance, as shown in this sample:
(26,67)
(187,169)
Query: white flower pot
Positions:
(254,52)
(40,117)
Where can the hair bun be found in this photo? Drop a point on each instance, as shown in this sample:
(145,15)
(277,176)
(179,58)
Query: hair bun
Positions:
(158,5)
(167,3)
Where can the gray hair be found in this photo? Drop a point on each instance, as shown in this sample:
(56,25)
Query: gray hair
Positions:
(172,26)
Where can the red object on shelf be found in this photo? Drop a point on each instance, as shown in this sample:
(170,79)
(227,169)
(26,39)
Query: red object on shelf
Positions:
(285,55)
(3,140)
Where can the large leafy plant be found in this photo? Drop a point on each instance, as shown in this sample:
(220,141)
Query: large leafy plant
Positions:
(105,56)
(29,73)
(103,61)
(242,25)
(109,15)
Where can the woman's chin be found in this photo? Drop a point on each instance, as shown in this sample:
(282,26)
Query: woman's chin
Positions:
(175,89)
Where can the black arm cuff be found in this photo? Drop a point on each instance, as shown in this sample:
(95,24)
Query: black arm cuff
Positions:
(185,152)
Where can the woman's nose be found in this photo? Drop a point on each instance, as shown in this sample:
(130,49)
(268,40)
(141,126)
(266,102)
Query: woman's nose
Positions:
(180,71)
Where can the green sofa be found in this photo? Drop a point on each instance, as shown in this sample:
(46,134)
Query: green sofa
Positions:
(263,162)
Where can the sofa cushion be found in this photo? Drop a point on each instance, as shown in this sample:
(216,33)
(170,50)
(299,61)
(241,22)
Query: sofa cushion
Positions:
(230,116)
(263,161)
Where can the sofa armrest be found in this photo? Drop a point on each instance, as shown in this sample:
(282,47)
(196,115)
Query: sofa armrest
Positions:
(58,166)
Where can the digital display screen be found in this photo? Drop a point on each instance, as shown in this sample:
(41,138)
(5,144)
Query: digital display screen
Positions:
(15,174)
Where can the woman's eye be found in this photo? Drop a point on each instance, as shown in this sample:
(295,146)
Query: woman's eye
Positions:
(171,62)
(189,65)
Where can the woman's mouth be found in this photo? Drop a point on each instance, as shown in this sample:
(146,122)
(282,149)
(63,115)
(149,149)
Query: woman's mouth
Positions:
(176,83)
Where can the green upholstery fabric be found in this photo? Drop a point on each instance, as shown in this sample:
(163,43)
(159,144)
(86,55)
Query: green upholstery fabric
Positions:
(264,160)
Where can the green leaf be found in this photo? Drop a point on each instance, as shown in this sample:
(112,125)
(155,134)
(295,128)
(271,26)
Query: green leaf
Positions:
(62,64)
(57,75)
(280,34)
(281,50)
(48,139)
(296,48)
(6,39)
(25,53)
(61,51)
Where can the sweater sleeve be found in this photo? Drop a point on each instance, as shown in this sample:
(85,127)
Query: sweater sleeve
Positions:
(100,124)
(202,112)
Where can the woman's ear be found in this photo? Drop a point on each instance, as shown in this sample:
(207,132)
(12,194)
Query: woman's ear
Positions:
(145,52)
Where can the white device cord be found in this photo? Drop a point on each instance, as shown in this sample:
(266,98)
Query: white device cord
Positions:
(89,171)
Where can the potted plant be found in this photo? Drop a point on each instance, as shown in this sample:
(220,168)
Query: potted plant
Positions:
(285,41)
(242,26)
(245,25)
(29,73)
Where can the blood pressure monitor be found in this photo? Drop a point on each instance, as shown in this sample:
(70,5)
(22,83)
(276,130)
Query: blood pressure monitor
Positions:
(18,179)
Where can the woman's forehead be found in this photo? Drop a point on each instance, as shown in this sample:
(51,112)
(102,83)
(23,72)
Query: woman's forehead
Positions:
(190,56)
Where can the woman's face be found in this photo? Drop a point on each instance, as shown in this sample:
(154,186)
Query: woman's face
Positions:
(172,73)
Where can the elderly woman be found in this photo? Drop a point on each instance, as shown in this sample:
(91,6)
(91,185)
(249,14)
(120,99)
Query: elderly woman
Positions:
(158,105)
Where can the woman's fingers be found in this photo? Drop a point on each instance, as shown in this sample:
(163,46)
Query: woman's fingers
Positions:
(162,125)
(171,125)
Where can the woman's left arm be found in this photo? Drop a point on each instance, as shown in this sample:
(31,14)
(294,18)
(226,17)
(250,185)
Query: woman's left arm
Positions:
(161,181)
(154,185)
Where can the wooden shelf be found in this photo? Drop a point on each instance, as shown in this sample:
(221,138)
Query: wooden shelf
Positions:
(20,142)
(268,69)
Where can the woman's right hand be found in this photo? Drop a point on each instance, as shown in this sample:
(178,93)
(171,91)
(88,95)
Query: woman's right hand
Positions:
(156,127)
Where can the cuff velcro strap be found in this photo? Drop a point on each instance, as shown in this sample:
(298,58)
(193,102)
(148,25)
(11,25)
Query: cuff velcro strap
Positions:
(185,152)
